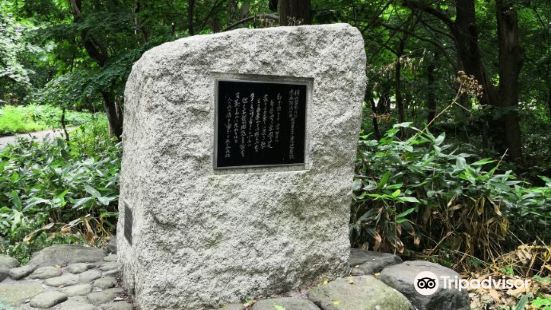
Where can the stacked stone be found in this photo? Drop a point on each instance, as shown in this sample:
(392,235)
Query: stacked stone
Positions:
(77,278)
(377,281)
(63,277)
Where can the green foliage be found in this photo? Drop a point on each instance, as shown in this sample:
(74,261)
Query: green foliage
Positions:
(14,77)
(21,119)
(58,191)
(522,302)
(417,193)
(530,216)
(13,119)
(508,270)
(543,303)
(421,193)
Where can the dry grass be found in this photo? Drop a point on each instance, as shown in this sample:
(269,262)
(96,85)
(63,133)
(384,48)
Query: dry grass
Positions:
(530,263)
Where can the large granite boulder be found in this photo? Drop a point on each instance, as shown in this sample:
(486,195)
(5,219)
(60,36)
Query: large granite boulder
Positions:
(403,277)
(191,236)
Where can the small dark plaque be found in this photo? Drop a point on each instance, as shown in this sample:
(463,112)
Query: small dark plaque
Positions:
(260,124)
(128,220)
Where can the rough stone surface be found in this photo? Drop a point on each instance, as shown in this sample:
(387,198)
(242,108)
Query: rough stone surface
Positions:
(118,305)
(21,272)
(13,294)
(110,266)
(105,282)
(76,306)
(89,276)
(46,272)
(76,290)
(112,245)
(114,273)
(232,307)
(350,293)
(4,273)
(358,293)
(402,276)
(288,303)
(369,262)
(104,296)
(75,301)
(8,262)
(110,258)
(248,232)
(63,280)
(65,254)
(48,299)
(78,267)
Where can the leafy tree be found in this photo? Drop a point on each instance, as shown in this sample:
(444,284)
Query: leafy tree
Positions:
(414,47)
(14,77)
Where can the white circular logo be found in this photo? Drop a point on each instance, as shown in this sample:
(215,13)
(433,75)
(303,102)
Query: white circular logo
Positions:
(426,283)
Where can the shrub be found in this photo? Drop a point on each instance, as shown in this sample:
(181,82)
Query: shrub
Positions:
(21,119)
(57,191)
(12,120)
(423,194)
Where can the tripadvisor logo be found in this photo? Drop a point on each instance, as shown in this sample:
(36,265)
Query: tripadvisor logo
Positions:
(426,283)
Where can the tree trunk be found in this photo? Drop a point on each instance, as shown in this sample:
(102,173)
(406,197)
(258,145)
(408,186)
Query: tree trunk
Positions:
(232,11)
(465,33)
(384,101)
(398,84)
(398,90)
(431,98)
(64,124)
(294,12)
(99,54)
(368,97)
(510,63)
(114,113)
(272,5)
(505,129)
(190,9)
(549,101)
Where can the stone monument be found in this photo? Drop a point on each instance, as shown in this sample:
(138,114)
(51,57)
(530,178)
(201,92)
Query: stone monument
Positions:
(238,161)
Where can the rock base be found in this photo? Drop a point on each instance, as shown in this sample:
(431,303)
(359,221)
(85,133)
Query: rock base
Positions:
(64,277)
(95,285)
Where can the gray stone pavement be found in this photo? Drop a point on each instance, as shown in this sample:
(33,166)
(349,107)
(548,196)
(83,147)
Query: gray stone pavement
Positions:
(37,135)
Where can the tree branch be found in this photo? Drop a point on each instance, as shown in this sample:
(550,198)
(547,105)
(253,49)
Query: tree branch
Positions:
(75,6)
(209,14)
(414,5)
(413,34)
(244,20)
(94,49)
(428,26)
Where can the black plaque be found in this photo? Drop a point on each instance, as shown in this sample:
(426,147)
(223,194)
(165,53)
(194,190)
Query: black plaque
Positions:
(260,124)
(128,220)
